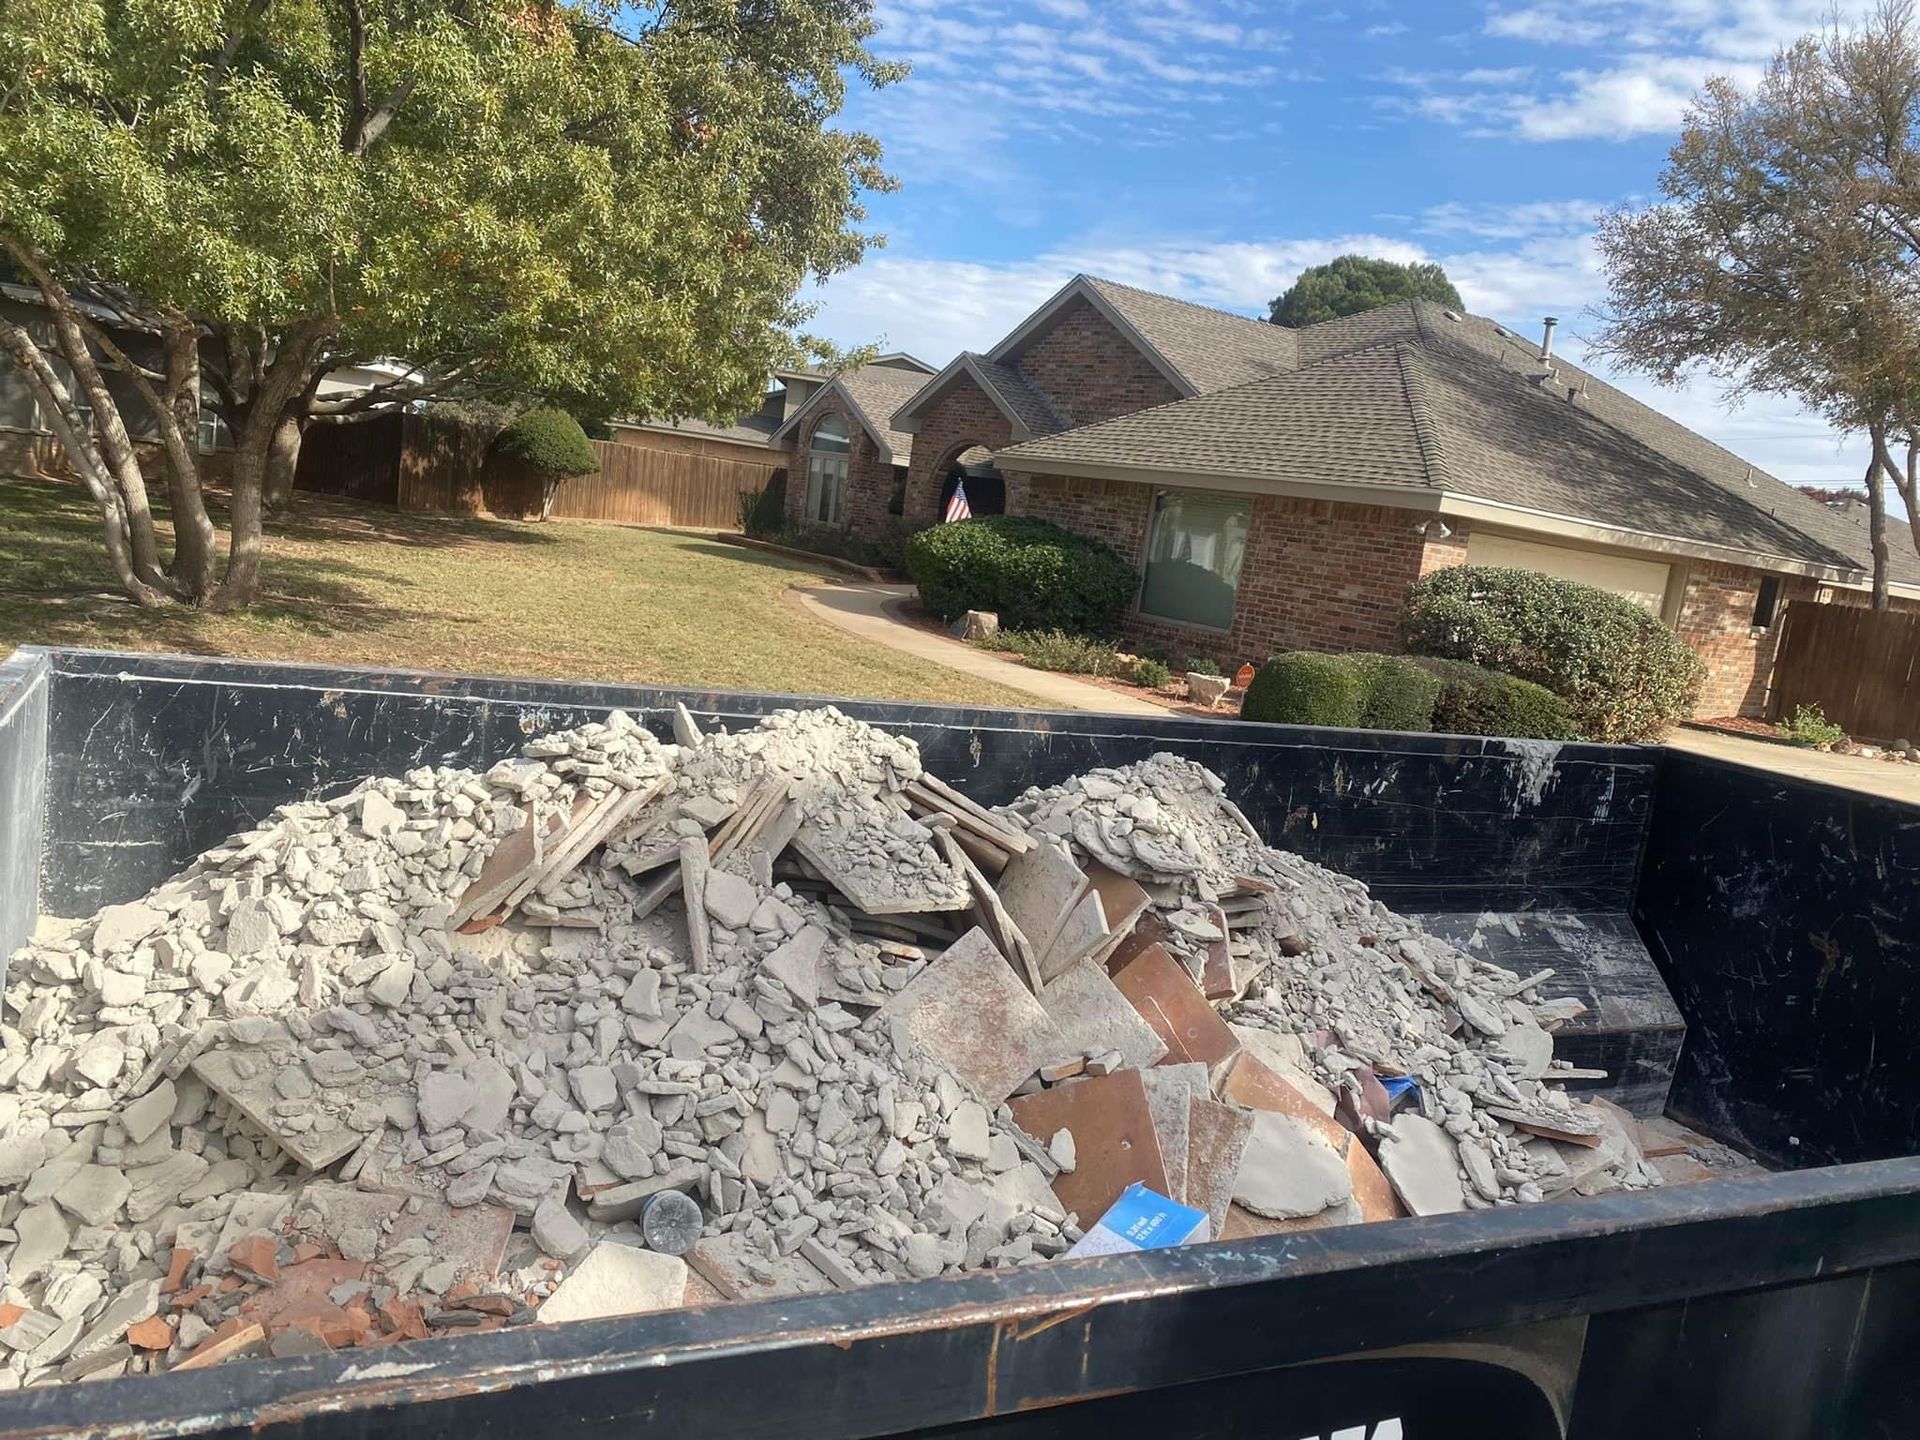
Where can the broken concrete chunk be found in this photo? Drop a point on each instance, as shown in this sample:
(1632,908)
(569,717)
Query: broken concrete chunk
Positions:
(1289,1172)
(1422,1162)
(618,1279)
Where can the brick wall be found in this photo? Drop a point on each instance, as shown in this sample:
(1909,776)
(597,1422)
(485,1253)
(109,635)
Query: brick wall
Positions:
(962,417)
(1317,575)
(1716,620)
(1089,371)
(869,477)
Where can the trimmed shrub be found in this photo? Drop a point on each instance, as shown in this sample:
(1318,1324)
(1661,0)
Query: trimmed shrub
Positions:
(551,443)
(1623,674)
(1473,700)
(1057,650)
(763,512)
(1151,673)
(1400,694)
(1033,574)
(1304,687)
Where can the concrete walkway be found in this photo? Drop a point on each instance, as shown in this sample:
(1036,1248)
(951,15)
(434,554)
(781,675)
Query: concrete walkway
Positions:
(1873,777)
(866,609)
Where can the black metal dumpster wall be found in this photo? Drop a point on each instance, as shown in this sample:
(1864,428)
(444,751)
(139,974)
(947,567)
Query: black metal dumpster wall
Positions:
(1785,918)
(1694,1306)
(153,759)
(23,773)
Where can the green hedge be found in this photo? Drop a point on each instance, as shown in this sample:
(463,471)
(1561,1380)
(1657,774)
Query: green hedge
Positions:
(1400,693)
(1473,700)
(1623,674)
(1304,687)
(1394,692)
(1033,574)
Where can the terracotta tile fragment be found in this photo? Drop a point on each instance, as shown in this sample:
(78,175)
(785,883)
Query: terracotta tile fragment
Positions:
(153,1334)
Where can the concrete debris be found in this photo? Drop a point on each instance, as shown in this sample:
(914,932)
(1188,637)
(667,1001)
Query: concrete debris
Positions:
(426,1056)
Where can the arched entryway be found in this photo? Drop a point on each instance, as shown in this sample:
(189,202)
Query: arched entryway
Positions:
(986,491)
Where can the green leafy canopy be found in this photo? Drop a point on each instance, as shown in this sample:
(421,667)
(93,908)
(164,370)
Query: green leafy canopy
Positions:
(611,207)
(1354,283)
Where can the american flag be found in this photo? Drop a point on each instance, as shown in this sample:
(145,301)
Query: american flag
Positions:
(957,507)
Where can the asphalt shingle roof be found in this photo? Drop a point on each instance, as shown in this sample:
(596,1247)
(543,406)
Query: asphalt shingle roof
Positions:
(1016,392)
(1211,348)
(1415,394)
(875,393)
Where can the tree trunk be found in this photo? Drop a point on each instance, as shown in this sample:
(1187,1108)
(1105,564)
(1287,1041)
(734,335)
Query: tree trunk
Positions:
(195,543)
(108,446)
(1877,512)
(242,583)
(1909,487)
(276,382)
(64,420)
(283,462)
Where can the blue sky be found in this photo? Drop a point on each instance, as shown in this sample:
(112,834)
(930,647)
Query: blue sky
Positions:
(1212,148)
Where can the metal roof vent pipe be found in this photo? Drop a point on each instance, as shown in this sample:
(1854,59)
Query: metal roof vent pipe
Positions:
(1544,375)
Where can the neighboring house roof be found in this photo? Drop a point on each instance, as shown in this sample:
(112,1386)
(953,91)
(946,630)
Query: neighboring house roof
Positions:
(1196,347)
(872,394)
(1027,411)
(755,428)
(1446,409)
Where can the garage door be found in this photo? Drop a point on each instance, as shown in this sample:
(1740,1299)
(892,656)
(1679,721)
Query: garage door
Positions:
(1642,581)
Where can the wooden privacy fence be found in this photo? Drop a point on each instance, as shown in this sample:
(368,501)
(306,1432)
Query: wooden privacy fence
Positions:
(658,487)
(1860,666)
(427,463)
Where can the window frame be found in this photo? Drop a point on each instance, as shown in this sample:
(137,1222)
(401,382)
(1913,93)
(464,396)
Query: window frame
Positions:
(1768,597)
(827,471)
(1154,520)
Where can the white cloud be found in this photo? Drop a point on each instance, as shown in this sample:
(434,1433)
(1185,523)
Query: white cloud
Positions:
(1383,32)
(1659,53)
(1540,263)
(990,78)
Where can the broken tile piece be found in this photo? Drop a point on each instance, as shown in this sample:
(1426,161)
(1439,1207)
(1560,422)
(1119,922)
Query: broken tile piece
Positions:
(1180,1015)
(1113,1133)
(968,1012)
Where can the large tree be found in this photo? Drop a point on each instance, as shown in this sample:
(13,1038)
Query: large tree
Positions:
(610,208)
(1784,257)
(1354,283)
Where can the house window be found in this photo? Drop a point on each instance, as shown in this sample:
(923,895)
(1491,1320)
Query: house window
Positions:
(17,410)
(827,472)
(1766,606)
(1194,554)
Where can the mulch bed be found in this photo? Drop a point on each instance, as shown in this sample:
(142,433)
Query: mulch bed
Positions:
(1744,726)
(1171,696)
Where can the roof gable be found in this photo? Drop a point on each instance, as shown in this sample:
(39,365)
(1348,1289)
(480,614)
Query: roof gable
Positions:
(1196,347)
(1026,409)
(871,394)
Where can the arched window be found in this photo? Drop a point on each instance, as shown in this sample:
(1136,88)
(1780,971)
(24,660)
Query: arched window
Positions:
(827,472)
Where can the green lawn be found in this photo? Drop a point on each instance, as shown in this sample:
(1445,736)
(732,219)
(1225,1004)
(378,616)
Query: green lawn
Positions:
(357,585)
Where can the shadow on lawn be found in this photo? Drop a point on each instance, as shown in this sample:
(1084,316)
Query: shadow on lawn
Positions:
(327,519)
(56,586)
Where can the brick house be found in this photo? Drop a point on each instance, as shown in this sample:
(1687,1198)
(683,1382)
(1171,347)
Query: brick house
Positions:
(849,464)
(1281,489)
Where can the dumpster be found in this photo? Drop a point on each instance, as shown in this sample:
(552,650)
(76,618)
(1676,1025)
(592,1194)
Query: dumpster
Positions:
(1753,949)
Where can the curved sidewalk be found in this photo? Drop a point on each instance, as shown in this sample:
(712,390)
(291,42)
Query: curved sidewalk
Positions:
(866,609)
